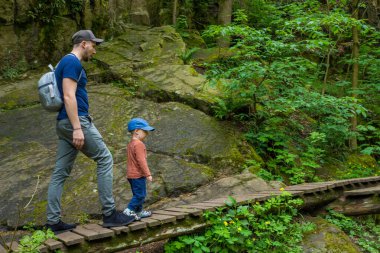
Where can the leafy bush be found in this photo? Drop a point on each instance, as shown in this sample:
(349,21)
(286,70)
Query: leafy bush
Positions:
(31,243)
(272,84)
(268,227)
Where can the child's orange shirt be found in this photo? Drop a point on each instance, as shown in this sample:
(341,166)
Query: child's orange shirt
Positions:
(137,165)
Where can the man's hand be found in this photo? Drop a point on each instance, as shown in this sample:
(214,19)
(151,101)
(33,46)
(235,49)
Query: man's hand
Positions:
(78,138)
(149,178)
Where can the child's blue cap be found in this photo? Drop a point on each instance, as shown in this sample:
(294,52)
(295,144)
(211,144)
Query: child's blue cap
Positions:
(138,123)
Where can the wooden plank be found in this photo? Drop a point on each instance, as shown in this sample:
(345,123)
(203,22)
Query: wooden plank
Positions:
(178,215)
(259,197)
(328,184)
(272,193)
(192,211)
(70,238)
(53,244)
(163,218)
(151,222)
(373,179)
(12,246)
(202,207)
(295,192)
(43,249)
(247,199)
(339,183)
(137,225)
(216,205)
(306,187)
(242,199)
(218,200)
(93,232)
(118,230)
(364,191)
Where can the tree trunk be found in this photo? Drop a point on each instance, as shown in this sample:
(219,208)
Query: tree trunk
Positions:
(355,73)
(224,18)
(174,16)
(324,87)
(373,12)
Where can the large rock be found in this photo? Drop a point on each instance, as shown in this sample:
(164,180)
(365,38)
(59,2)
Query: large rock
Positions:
(149,62)
(327,238)
(187,150)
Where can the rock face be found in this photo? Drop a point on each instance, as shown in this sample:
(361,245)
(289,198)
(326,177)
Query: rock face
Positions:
(189,148)
(327,238)
(148,62)
(186,151)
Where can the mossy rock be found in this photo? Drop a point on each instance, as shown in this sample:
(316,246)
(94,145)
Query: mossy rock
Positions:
(20,93)
(327,238)
(187,150)
(359,165)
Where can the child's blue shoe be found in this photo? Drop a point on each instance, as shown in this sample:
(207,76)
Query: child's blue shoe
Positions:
(129,212)
(144,214)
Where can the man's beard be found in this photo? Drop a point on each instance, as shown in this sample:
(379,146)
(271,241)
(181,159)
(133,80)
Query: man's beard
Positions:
(86,57)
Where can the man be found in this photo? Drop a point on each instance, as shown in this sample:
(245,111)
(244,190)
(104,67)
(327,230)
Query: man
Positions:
(76,132)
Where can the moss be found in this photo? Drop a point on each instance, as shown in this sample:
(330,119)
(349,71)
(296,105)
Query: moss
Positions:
(339,242)
(205,170)
(39,210)
(327,237)
(359,165)
(361,160)
(18,98)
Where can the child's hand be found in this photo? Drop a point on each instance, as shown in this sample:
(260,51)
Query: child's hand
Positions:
(150,178)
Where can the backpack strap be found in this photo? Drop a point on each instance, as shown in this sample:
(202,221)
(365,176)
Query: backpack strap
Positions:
(81,73)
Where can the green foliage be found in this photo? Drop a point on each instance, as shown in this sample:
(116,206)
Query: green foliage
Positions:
(359,166)
(268,227)
(181,26)
(362,230)
(46,12)
(186,56)
(12,67)
(272,84)
(75,6)
(30,243)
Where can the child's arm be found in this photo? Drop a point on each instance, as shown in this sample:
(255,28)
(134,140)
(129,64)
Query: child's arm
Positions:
(140,153)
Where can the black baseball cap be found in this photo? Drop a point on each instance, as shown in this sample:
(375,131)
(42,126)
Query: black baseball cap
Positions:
(85,35)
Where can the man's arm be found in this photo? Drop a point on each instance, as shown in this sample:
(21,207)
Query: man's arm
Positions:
(69,89)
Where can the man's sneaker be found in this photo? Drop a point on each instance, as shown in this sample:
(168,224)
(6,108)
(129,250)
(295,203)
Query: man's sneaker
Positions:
(117,219)
(60,227)
(144,214)
(129,212)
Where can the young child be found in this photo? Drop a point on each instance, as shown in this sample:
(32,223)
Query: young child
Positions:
(137,168)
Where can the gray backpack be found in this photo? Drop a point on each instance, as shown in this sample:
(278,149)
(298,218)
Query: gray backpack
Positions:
(50,97)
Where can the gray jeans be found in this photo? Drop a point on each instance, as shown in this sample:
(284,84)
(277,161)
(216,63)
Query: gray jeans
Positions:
(94,148)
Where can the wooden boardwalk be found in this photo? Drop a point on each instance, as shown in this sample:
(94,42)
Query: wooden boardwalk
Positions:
(175,220)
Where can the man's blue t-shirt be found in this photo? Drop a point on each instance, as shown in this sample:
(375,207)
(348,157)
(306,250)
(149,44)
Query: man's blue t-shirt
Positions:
(71,67)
